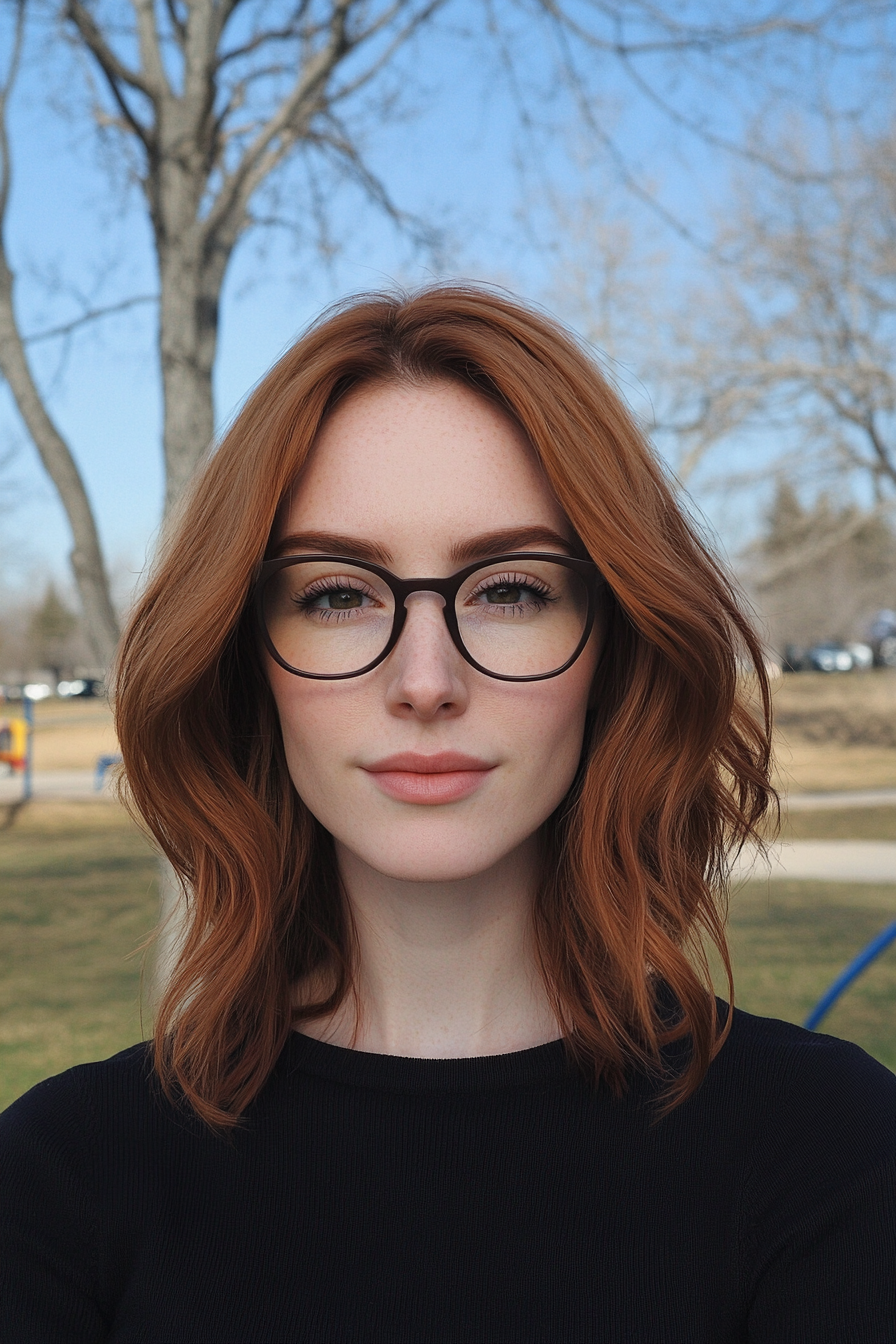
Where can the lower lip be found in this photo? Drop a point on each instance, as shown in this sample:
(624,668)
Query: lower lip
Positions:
(446,787)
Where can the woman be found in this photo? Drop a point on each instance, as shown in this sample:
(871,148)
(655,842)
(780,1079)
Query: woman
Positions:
(434,705)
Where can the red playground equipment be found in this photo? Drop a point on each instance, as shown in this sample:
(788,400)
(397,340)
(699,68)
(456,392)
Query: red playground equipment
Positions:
(14,743)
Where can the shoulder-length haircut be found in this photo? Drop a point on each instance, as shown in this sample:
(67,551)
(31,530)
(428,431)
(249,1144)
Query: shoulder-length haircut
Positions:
(675,768)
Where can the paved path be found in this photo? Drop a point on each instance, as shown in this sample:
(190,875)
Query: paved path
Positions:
(821,802)
(54,784)
(824,861)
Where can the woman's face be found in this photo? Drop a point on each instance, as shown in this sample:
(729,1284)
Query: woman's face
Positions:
(412,477)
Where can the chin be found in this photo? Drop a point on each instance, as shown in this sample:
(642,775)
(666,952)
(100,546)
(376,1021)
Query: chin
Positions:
(427,862)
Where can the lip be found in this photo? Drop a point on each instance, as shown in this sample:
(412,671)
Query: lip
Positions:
(444,777)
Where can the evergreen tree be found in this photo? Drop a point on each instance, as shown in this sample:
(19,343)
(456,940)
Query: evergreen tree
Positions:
(50,633)
(821,570)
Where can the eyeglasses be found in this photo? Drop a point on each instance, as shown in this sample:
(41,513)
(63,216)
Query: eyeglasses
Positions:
(523,616)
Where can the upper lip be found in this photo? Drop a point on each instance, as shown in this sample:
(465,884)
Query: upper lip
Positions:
(443,762)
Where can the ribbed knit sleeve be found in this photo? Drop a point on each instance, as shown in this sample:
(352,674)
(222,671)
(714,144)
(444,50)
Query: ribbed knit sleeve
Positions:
(49,1239)
(819,1208)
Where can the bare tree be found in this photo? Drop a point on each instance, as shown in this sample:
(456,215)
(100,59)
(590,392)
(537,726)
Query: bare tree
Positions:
(208,101)
(799,336)
(86,558)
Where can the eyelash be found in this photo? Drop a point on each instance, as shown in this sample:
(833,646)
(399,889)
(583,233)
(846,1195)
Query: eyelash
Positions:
(320,587)
(541,590)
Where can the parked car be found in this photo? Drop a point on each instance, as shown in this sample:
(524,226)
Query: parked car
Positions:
(862,655)
(882,625)
(37,690)
(794,659)
(882,638)
(830,656)
(82,688)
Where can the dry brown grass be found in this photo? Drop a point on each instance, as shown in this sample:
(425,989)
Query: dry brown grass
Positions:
(824,767)
(853,709)
(71,734)
(836,732)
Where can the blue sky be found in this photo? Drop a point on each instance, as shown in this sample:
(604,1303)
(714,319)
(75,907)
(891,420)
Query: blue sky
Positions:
(458,158)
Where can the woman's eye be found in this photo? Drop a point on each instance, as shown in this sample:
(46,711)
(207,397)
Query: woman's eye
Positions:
(342,599)
(508,594)
(509,591)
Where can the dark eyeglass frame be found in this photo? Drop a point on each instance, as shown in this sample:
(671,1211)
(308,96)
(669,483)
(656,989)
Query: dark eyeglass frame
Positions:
(445,588)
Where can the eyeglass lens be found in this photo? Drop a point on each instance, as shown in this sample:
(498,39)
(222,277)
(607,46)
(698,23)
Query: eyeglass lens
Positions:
(518,619)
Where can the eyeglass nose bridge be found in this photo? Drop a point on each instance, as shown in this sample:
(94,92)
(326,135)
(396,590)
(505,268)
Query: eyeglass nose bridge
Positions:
(446,589)
(443,589)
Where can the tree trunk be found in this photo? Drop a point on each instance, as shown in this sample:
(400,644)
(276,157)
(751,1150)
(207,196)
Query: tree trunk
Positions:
(86,557)
(188,338)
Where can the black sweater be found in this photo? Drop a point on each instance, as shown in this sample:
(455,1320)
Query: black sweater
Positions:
(375,1198)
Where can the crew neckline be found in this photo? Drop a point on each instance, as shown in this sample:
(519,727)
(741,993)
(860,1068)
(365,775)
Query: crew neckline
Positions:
(401,1073)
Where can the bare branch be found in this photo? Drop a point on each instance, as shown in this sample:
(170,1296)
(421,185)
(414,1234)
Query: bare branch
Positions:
(150,51)
(115,73)
(702,132)
(93,315)
(177,22)
(5,90)
(282,129)
(112,66)
(344,91)
(292,120)
(620,164)
(689,37)
(338,140)
(255,44)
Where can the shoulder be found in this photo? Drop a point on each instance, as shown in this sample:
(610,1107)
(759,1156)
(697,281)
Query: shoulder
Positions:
(54,1142)
(811,1111)
(59,1112)
(812,1121)
(805,1076)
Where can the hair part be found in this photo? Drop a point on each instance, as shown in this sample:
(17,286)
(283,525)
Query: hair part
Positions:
(675,768)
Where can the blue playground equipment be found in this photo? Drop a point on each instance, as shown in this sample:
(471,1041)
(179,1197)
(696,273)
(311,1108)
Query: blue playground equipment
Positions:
(104,764)
(852,972)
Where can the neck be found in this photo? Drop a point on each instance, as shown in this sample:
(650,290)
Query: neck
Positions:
(445,969)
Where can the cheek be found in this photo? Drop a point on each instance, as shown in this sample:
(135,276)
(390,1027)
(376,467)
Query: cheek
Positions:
(547,727)
(310,713)
(320,722)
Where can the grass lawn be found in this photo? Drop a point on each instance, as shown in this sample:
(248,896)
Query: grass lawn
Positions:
(789,940)
(77,897)
(852,823)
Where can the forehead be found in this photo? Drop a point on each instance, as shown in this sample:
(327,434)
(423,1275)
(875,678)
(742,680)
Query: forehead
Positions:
(420,467)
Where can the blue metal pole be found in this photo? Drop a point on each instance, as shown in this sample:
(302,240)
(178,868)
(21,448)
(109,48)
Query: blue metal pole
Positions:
(853,970)
(28,782)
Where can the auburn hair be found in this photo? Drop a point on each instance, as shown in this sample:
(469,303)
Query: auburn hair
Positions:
(675,767)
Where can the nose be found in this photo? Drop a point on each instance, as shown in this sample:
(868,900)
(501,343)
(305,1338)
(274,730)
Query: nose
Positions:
(427,674)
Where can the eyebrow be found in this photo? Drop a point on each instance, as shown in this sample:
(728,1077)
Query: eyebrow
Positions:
(463,552)
(508,539)
(334,543)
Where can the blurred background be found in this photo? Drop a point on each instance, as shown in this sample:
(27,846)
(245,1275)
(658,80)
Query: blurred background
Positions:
(705,192)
